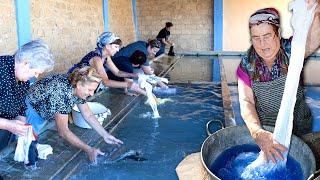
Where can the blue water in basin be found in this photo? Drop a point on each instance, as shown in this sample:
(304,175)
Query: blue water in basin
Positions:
(232,163)
(161,143)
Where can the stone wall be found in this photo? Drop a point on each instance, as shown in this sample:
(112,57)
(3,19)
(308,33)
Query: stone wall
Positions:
(8,28)
(69,27)
(192,20)
(121,20)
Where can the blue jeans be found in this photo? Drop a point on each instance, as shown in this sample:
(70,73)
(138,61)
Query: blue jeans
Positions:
(34,118)
(161,50)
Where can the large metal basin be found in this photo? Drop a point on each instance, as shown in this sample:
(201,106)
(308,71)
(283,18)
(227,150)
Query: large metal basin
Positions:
(228,137)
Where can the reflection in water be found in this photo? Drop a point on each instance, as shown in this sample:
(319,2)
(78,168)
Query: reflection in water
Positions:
(192,69)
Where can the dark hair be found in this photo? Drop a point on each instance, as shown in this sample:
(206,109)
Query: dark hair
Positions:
(169,24)
(153,43)
(138,58)
(117,41)
(276,30)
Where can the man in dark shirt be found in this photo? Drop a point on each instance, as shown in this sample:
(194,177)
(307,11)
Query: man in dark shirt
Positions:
(128,64)
(163,37)
(30,60)
(149,48)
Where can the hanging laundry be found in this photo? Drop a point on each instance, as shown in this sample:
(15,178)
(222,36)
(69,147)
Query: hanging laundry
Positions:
(301,21)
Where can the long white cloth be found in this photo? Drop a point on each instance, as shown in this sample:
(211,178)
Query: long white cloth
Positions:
(301,21)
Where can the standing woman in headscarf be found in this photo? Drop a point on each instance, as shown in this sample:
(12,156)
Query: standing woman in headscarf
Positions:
(100,59)
(261,79)
(30,60)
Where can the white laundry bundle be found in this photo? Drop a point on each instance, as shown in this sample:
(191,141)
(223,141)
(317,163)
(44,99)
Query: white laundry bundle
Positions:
(44,150)
(153,79)
(23,144)
(25,150)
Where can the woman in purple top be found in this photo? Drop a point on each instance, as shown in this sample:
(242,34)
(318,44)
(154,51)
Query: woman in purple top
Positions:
(261,79)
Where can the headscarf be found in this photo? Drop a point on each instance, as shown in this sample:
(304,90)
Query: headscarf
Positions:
(106,38)
(266,15)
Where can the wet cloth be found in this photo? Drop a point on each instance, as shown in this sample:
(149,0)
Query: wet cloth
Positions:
(28,150)
(53,94)
(301,21)
(44,150)
(25,152)
(85,61)
(128,50)
(12,95)
(152,99)
(153,79)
